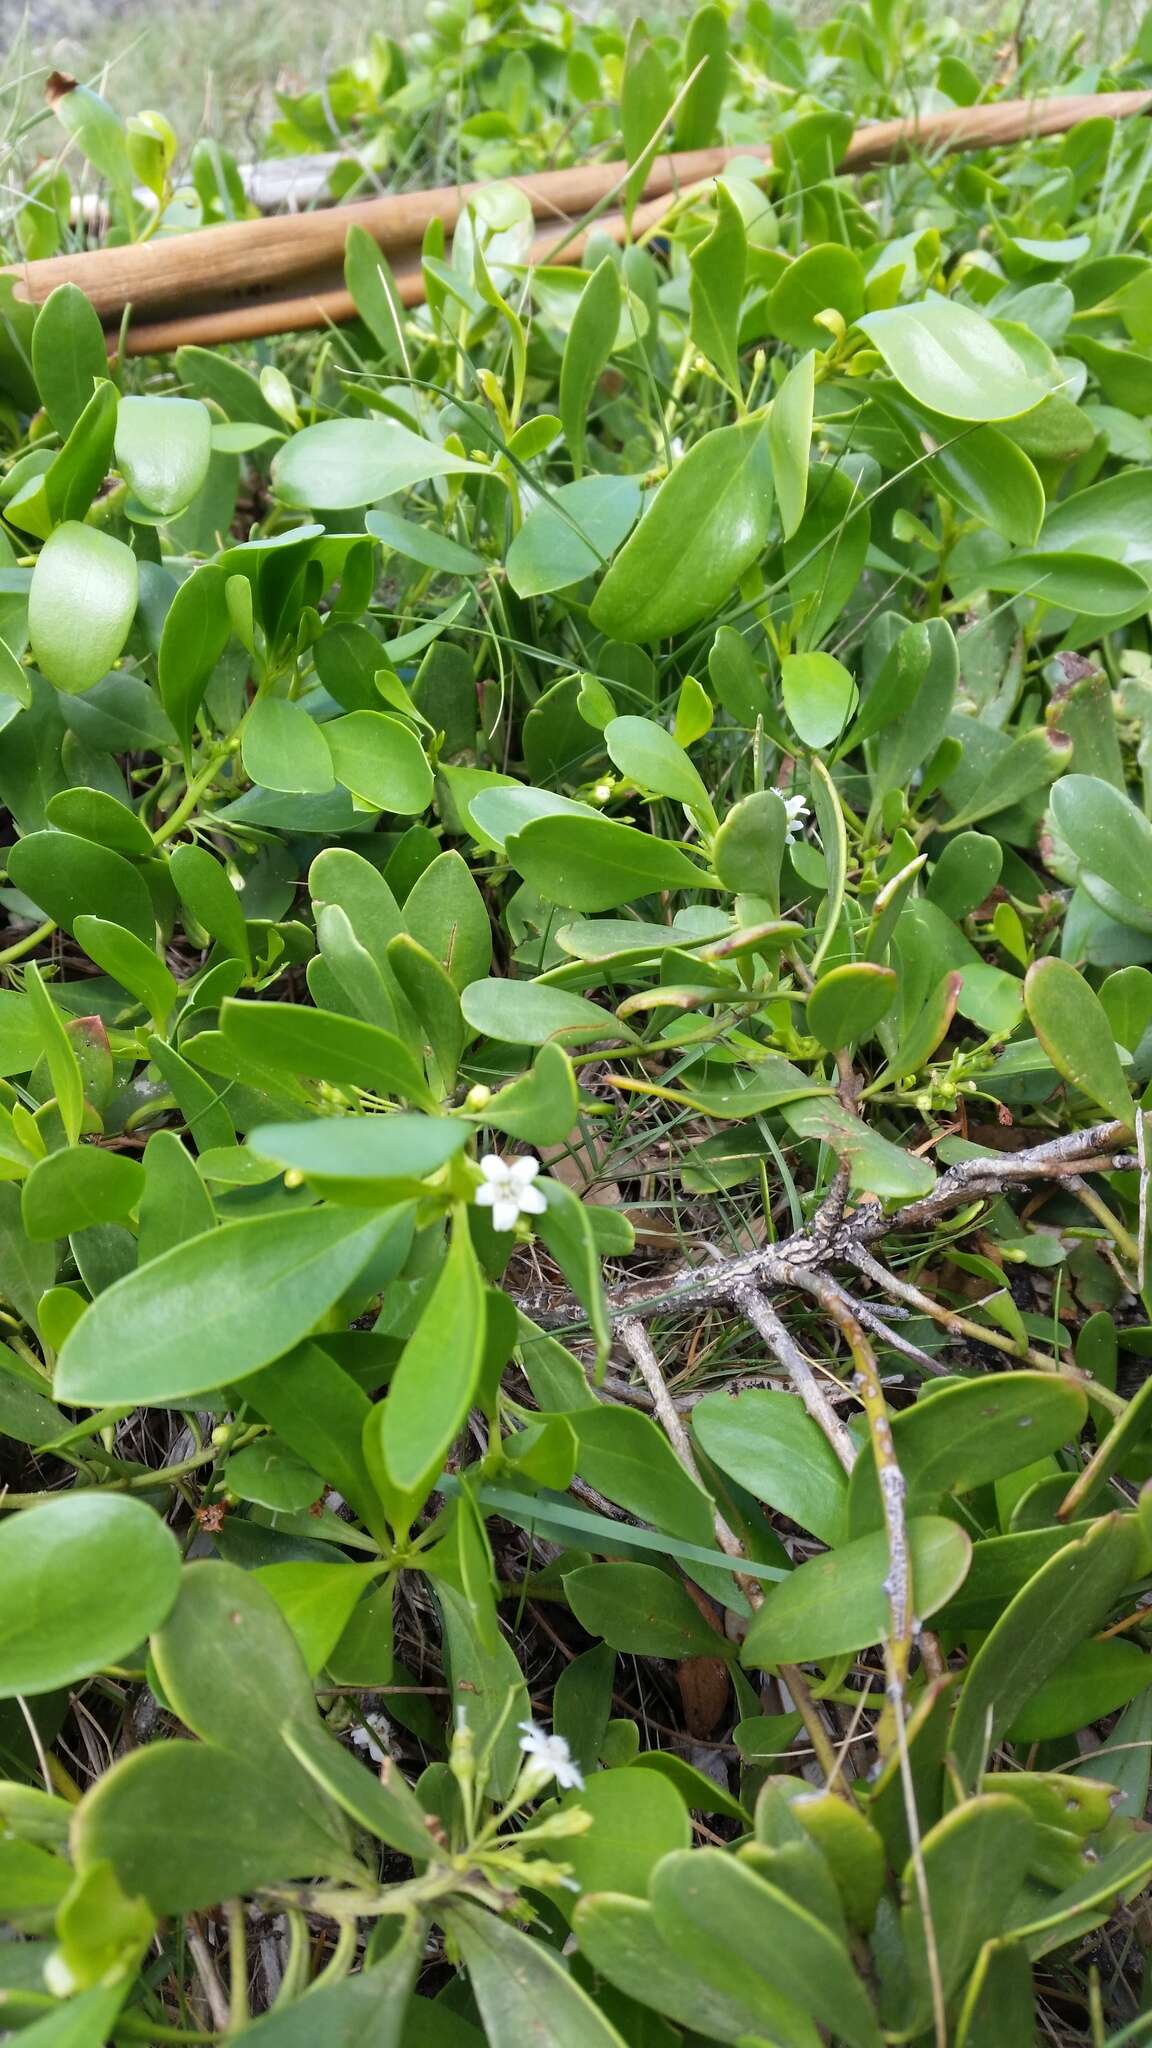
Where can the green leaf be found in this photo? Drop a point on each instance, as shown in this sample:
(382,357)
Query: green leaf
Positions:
(970,1435)
(638,1608)
(445,911)
(196,630)
(706,64)
(541,1106)
(383,1804)
(59,1051)
(284,748)
(768,1444)
(826,278)
(81,604)
(637,1817)
(367,2010)
(178,1791)
(837,1603)
(790,441)
(974,1862)
(163,447)
(436,1376)
(1079,582)
(86,1576)
(522,1988)
(571,533)
(66,876)
(124,956)
(651,758)
(420,543)
(69,1190)
(623,1941)
(1093,1680)
(875,1165)
(534,1013)
(627,1458)
(711,1906)
(372,1160)
(952,359)
(324,1046)
(69,355)
(1060,1604)
(991,479)
(1107,834)
(343,464)
(705,526)
(998,2006)
(716,289)
(215,1308)
(318,1409)
(1070,1022)
(381,761)
(847,1003)
(368,276)
(590,341)
(594,864)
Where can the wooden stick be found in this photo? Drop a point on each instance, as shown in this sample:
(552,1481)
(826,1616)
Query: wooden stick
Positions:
(235,258)
(328,303)
(295,260)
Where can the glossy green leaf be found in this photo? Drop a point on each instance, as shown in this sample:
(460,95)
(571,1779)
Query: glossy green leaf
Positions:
(69,1190)
(595,864)
(974,1862)
(285,749)
(342,464)
(380,760)
(706,525)
(952,359)
(769,1445)
(790,438)
(523,1990)
(571,534)
(215,1308)
(590,341)
(196,630)
(67,877)
(1061,1603)
(87,1575)
(177,1791)
(533,1013)
(81,604)
(711,1905)
(163,446)
(837,1603)
(68,354)
(1069,1020)
(436,1376)
(716,289)
(637,1608)
(847,1003)
(325,1046)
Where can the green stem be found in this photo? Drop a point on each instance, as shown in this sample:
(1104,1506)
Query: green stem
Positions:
(189,800)
(29,943)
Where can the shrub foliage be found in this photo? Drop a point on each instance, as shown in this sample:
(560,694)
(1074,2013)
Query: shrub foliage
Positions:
(573,1180)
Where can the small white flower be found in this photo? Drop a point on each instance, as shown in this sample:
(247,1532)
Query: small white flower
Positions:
(508,1191)
(550,1756)
(365,1738)
(797,809)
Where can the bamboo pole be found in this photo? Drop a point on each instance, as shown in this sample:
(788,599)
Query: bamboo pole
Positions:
(272,276)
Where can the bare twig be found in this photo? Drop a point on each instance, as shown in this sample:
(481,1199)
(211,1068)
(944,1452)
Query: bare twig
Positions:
(783,1345)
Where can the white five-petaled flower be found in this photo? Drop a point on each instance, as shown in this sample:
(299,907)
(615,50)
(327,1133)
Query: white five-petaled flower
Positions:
(507,1189)
(797,809)
(550,1756)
